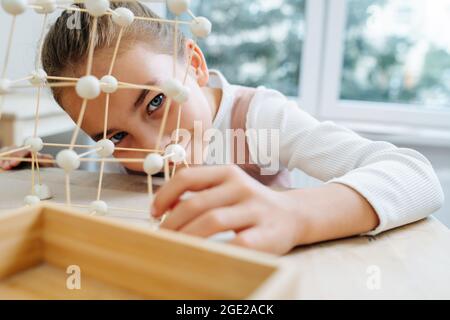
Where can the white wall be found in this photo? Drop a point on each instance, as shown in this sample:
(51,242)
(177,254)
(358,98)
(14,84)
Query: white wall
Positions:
(24,45)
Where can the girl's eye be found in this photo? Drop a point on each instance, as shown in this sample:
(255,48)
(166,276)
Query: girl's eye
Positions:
(156,103)
(118,137)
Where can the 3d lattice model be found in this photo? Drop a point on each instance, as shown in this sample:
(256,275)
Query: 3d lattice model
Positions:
(89,87)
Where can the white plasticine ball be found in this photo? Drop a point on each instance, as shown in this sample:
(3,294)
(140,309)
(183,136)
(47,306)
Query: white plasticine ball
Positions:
(5,86)
(68,160)
(98,208)
(153,164)
(36,144)
(178,7)
(175,90)
(97,8)
(201,27)
(123,17)
(183,96)
(109,84)
(42,191)
(47,6)
(31,200)
(14,7)
(107,148)
(38,77)
(175,153)
(88,87)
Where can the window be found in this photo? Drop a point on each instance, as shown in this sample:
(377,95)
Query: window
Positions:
(255,42)
(379,65)
(397,51)
(383,64)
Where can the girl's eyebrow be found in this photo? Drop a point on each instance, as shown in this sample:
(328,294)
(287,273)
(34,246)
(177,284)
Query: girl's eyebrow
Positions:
(141,97)
(145,92)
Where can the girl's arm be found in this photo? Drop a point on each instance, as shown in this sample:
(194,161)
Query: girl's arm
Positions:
(264,219)
(400,184)
(370,186)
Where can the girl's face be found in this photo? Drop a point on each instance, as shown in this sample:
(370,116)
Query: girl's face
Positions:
(135,115)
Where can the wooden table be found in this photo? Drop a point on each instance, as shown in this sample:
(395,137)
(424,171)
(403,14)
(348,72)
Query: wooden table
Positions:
(409,262)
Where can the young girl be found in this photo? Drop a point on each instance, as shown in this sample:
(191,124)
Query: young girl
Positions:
(370,186)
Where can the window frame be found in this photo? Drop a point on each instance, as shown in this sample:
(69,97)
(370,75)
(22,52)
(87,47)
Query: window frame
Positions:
(320,81)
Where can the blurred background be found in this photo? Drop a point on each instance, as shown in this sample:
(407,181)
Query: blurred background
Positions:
(379,67)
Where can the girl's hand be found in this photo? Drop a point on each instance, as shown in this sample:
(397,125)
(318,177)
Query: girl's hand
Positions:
(228,199)
(11,164)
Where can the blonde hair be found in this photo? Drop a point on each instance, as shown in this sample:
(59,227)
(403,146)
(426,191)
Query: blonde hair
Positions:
(65,49)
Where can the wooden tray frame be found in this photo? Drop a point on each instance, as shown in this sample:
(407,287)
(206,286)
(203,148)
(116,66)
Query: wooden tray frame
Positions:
(118,258)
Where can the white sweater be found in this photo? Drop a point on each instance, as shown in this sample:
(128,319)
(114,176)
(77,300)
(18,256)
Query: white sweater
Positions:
(399,183)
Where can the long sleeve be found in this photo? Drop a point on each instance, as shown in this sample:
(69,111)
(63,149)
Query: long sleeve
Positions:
(399,183)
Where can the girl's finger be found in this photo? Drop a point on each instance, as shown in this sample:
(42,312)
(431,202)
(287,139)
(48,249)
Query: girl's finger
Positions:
(187,210)
(190,179)
(221,220)
(253,238)
(4,165)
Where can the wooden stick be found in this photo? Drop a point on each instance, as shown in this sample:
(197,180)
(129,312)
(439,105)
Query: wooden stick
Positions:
(163,124)
(33,6)
(173,170)
(60,84)
(13,151)
(65,145)
(89,152)
(166,170)
(38,170)
(21,79)
(177,131)
(191,55)
(48,85)
(162,20)
(175,48)
(139,150)
(8,46)
(105,118)
(100,180)
(150,186)
(186,164)
(32,174)
(93,35)
(73,8)
(1,105)
(112,160)
(62,78)
(192,15)
(68,195)
(128,209)
(49,161)
(78,126)
(36,113)
(116,50)
(126,85)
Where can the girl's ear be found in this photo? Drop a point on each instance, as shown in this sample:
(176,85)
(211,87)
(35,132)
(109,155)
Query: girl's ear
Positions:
(197,63)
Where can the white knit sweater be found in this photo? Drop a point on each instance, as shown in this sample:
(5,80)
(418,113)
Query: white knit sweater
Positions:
(399,183)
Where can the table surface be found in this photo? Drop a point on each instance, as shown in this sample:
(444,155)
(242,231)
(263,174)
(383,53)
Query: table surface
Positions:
(409,262)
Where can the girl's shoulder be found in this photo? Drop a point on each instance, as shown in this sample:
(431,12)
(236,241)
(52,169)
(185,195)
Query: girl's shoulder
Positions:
(254,107)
